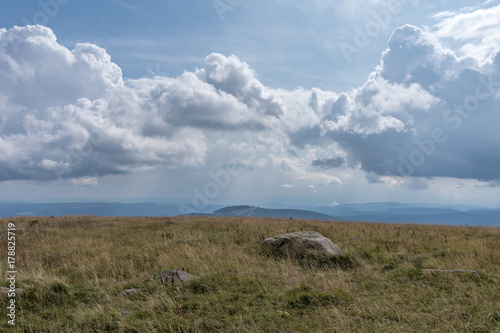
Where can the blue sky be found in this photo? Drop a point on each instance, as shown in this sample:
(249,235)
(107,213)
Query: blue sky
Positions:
(250,101)
(288,43)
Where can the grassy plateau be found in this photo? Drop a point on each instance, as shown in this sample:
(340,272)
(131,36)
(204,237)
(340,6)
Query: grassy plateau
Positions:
(72,270)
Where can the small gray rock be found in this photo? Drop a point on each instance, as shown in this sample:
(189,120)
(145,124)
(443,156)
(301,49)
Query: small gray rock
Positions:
(129,292)
(302,241)
(455,271)
(174,275)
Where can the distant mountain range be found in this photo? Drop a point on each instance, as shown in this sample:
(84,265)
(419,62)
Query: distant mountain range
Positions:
(391,212)
(377,212)
(415,213)
(279,213)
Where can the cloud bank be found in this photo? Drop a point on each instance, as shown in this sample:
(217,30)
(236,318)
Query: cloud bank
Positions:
(426,111)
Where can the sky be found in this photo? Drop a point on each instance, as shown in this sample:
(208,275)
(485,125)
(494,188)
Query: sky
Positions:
(250,102)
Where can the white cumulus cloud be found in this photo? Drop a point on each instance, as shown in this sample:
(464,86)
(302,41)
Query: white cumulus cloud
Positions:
(478,30)
(424,112)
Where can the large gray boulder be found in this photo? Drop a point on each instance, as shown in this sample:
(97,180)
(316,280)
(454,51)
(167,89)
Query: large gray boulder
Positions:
(301,242)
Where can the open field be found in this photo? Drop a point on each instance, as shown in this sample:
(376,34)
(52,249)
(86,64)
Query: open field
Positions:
(72,270)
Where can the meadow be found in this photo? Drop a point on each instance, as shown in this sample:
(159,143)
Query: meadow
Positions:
(71,271)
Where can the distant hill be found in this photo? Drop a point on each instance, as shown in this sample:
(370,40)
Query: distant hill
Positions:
(279,213)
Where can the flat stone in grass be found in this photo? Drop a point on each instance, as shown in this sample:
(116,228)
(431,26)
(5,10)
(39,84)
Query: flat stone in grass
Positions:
(174,275)
(301,242)
(129,292)
(454,271)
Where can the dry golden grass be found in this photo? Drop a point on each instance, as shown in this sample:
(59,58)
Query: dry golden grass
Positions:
(73,268)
